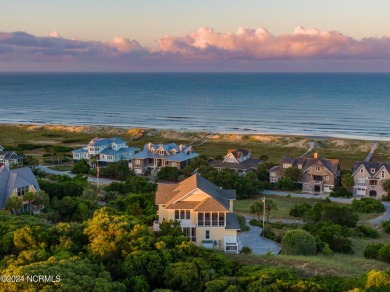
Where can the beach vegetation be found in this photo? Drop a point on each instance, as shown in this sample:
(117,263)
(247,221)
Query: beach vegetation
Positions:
(367,205)
(81,167)
(171,174)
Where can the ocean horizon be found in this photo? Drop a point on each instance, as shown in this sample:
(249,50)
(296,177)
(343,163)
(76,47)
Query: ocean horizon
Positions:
(345,105)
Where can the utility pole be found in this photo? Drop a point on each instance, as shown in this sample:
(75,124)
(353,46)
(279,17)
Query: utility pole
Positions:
(263,201)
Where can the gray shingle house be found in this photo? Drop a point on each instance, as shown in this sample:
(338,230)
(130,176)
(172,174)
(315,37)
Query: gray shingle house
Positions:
(319,175)
(9,158)
(17,182)
(237,159)
(369,178)
(155,156)
(105,150)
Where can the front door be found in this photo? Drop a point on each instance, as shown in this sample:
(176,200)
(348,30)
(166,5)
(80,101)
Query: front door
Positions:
(317,189)
(372,193)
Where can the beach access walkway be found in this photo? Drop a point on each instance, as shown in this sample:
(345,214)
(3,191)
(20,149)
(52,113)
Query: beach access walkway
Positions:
(311,146)
(374,146)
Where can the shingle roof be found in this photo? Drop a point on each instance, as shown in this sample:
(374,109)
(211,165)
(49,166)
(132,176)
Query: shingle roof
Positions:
(371,165)
(331,164)
(80,150)
(104,141)
(237,153)
(250,163)
(7,155)
(169,194)
(232,221)
(178,157)
(15,178)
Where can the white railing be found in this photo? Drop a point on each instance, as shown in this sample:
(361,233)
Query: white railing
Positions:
(156,225)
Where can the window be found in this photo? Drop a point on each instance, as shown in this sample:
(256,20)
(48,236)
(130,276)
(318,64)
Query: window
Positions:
(361,170)
(327,177)
(318,168)
(221,219)
(231,159)
(137,162)
(286,165)
(22,191)
(161,152)
(214,218)
(361,180)
(173,164)
(383,174)
(207,235)
(272,173)
(182,215)
(372,170)
(207,219)
(299,166)
(200,219)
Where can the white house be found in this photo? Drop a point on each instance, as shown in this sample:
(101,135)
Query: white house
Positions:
(105,150)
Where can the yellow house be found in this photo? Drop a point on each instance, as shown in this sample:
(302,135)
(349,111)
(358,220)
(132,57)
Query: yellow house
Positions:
(204,210)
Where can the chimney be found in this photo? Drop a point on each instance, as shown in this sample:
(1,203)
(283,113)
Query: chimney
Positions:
(315,155)
(149,145)
(181,147)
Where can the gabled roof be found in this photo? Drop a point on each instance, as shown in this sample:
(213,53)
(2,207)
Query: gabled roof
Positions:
(15,178)
(331,164)
(104,141)
(237,153)
(8,155)
(171,194)
(180,156)
(232,221)
(377,166)
(80,150)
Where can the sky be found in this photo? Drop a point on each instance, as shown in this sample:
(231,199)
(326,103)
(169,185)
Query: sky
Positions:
(213,35)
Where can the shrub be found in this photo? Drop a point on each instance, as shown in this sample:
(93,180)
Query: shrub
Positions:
(299,209)
(366,231)
(81,166)
(377,279)
(246,250)
(298,242)
(384,253)
(386,226)
(327,250)
(367,205)
(242,222)
(169,174)
(371,250)
(341,192)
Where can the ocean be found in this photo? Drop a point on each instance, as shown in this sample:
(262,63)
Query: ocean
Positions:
(312,104)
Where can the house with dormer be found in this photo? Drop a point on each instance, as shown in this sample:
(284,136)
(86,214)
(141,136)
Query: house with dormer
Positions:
(319,175)
(17,182)
(204,210)
(239,160)
(369,178)
(105,150)
(155,156)
(9,158)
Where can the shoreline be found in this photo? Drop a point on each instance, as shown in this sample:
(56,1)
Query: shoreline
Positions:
(90,129)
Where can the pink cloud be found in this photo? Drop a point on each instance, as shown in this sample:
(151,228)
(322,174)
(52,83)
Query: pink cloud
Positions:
(253,48)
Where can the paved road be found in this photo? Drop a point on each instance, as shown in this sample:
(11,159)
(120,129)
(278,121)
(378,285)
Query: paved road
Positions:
(374,146)
(102,181)
(378,220)
(258,244)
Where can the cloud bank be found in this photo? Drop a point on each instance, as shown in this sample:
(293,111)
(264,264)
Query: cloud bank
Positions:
(203,47)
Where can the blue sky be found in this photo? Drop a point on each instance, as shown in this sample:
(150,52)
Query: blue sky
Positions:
(147,22)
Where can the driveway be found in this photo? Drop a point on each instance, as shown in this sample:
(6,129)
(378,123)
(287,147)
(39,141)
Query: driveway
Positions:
(95,180)
(258,244)
(385,216)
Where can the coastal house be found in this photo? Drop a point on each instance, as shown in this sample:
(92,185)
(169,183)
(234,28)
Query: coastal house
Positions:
(237,159)
(9,158)
(204,210)
(17,182)
(369,178)
(105,150)
(319,175)
(155,156)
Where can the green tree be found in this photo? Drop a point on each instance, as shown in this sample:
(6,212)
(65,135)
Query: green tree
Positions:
(347,181)
(264,157)
(81,167)
(42,199)
(14,204)
(294,174)
(386,186)
(286,184)
(257,208)
(169,174)
(30,197)
(298,242)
